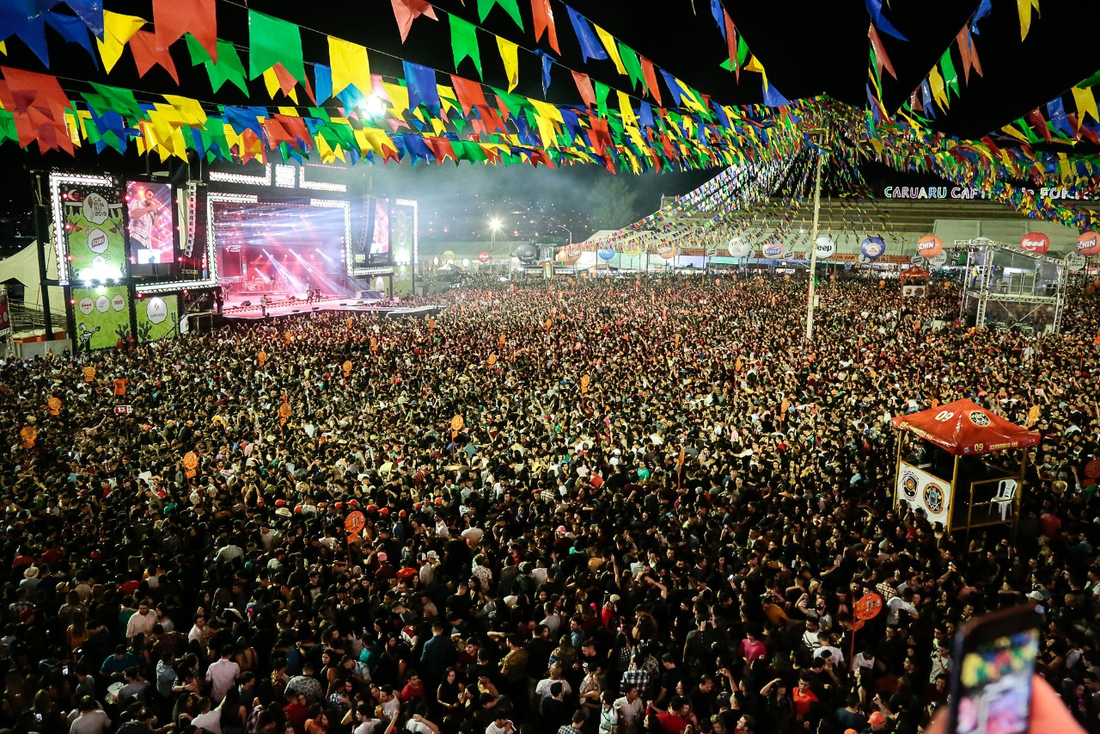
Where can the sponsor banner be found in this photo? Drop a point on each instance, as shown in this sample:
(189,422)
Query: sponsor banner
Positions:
(1035,242)
(5,312)
(914,291)
(94,232)
(157,316)
(101,315)
(920,490)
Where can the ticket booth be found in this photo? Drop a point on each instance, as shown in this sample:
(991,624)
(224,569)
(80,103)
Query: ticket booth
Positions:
(961,465)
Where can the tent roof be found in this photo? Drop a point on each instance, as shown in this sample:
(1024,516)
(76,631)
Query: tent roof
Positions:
(914,272)
(964,428)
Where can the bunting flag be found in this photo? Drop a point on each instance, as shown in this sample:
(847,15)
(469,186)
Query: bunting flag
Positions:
(632,64)
(91,12)
(406,11)
(882,61)
(968,53)
(37,105)
(349,66)
(73,30)
(1086,104)
(1024,7)
(228,68)
(584,86)
(117,32)
(544,23)
(874,9)
(274,41)
(730,34)
(510,6)
(509,57)
(650,79)
(144,47)
(173,18)
(590,46)
(547,64)
(422,86)
(464,42)
(612,47)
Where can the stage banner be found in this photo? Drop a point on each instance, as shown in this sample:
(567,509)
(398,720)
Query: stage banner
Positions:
(102,316)
(156,317)
(403,246)
(95,235)
(5,312)
(920,490)
(914,291)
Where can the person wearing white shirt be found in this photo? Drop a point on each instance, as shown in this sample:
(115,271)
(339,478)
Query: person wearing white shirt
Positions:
(898,604)
(222,674)
(90,719)
(142,621)
(210,719)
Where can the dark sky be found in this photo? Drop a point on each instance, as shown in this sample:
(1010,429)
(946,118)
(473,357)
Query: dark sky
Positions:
(808,47)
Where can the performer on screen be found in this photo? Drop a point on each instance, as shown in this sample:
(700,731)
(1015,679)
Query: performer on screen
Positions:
(143,220)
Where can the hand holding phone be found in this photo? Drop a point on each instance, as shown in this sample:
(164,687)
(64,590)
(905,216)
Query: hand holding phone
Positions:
(994,662)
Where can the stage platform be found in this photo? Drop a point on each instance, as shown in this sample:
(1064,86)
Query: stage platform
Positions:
(286,308)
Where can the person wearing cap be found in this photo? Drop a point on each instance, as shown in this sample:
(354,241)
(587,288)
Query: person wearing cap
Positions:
(878,722)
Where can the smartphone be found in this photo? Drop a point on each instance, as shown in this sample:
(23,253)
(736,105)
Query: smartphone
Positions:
(994,661)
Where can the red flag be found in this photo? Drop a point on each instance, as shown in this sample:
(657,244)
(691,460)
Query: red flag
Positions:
(584,86)
(731,42)
(146,55)
(544,21)
(469,93)
(650,77)
(38,105)
(406,11)
(173,18)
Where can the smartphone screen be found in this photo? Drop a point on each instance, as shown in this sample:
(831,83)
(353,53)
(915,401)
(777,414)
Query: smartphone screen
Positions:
(993,677)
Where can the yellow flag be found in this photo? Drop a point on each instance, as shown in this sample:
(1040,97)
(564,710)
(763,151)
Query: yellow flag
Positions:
(350,65)
(1086,102)
(398,96)
(271,83)
(625,109)
(938,92)
(4,47)
(508,55)
(190,111)
(612,47)
(1024,7)
(118,29)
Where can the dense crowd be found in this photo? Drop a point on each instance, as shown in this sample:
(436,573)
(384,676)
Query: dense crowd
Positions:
(656,514)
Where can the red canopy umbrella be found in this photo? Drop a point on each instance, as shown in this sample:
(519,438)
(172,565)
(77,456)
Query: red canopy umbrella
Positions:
(964,428)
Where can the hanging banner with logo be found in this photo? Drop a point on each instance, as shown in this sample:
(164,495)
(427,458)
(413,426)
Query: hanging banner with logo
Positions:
(923,491)
(102,316)
(825,247)
(94,232)
(157,317)
(871,249)
(5,312)
(1035,242)
(403,245)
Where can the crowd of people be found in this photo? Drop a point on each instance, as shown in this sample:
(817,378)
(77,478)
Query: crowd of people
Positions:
(588,505)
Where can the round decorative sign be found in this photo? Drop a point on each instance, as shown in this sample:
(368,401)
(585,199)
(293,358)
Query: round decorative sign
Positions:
(1036,242)
(929,246)
(871,249)
(933,498)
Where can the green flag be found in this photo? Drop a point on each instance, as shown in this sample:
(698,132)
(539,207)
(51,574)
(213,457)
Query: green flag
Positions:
(464,42)
(227,69)
(631,63)
(950,76)
(119,100)
(602,90)
(484,6)
(273,41)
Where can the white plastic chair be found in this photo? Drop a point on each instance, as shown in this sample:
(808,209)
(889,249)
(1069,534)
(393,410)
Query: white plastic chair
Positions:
(1006,496)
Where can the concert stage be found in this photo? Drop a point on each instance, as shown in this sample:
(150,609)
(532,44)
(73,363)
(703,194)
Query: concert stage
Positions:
(284,308)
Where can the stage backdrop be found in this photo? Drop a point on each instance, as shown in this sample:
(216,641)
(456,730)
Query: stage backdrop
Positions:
(102,316)
(94,232)
(156,317)
(919,489)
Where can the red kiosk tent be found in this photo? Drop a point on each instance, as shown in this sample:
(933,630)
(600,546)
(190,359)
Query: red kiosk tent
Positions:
(951,483)
(914,273)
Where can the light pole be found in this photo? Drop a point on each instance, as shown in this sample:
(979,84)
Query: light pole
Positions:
(494,226)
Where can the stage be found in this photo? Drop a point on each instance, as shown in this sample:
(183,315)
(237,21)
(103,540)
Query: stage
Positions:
(281,307)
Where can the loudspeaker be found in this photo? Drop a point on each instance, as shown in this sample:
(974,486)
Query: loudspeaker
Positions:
(295,310)
(246,303)
(316,308)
